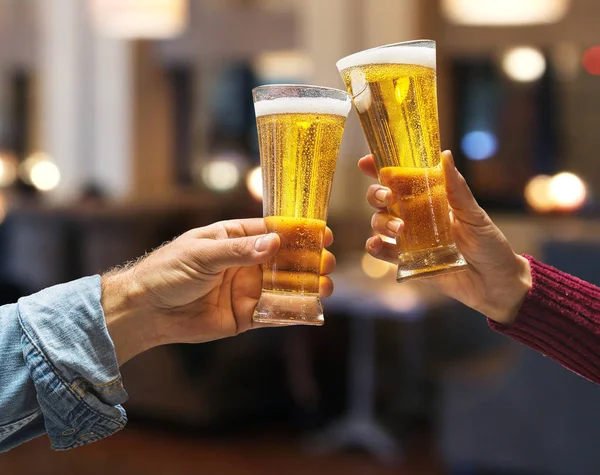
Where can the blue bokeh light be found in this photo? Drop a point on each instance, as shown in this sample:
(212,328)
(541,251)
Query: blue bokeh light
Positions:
(479,144)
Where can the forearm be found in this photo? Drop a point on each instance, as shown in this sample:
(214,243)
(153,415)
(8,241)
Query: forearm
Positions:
(560,317)
(131,325)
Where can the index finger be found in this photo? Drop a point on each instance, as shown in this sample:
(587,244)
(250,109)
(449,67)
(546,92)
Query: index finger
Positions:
(240,228)
(233,228)
(367,166)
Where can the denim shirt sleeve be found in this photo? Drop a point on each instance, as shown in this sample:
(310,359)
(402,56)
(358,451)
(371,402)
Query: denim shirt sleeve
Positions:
(58,369)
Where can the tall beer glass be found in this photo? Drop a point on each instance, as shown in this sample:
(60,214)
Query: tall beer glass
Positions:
(299,132)
(394,94)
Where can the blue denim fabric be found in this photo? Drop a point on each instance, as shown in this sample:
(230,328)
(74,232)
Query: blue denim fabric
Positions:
(58,369)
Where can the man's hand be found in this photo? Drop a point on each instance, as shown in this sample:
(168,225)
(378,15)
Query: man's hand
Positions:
(203,286)
(497,279)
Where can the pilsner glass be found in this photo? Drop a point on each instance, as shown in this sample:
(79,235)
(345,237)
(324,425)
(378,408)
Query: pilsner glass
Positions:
(394,94)
(299,132)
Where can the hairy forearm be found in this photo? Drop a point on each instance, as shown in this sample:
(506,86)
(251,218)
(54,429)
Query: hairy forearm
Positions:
(131,325)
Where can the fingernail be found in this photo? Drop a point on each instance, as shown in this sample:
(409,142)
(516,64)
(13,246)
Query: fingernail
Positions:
(373,245)
(450,158)
(381,195)
(394,225)
(262,243)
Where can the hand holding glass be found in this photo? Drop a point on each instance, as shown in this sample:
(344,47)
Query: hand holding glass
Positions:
(394,94)
(300,130)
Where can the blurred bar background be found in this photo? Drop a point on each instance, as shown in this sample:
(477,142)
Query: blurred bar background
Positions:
(126,122)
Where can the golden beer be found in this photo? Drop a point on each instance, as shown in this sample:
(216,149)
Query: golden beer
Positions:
(300,130)
(296,267)
(420,194)
(394,94)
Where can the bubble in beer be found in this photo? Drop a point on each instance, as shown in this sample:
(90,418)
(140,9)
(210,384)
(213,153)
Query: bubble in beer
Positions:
(402,89)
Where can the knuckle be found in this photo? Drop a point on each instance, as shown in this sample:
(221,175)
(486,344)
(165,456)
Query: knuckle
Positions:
(192,254)
(218,230)
(233,229)
(239,247)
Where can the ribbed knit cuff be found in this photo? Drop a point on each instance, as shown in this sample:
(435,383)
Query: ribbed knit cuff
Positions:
(560,318)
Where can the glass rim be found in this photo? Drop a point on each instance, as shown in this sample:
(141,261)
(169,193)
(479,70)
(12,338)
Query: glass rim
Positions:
(304,86)
(422,41)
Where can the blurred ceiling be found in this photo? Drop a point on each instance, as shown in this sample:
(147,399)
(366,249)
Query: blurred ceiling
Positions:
(234,29)
(221,30)
(580,25)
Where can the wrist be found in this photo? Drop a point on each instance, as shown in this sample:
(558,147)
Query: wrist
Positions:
(131,326)
(512,293)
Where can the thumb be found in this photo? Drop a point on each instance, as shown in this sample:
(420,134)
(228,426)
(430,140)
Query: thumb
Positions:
(464,206)
(221,254)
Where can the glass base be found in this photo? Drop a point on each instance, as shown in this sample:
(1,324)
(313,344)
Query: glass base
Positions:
(288,308)
(429,263)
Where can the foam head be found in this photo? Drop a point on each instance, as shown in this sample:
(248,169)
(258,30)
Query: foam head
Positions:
(302,105)
(421,53)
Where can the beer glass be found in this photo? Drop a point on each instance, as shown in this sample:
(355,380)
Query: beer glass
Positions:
(393,89)
(299,132)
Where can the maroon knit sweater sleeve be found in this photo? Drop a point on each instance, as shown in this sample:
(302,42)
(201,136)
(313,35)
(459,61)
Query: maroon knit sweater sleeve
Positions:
(560,318)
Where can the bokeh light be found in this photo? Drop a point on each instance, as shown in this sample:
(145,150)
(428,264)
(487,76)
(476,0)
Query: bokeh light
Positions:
(3,207)
(291,65)
(591,60)
(40,171)
(564,192)
(137,19)
(537,194)
(568,192)
(254,183)
(45,175)
(374,268)
(505,12)
(524,64)
(404,298)
(8,169)
(479,144)
(221,175)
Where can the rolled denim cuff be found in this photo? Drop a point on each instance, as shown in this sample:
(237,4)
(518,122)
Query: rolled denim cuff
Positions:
(71,360)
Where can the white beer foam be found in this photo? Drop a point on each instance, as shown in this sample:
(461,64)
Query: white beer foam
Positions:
(401,54)
(302,105)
